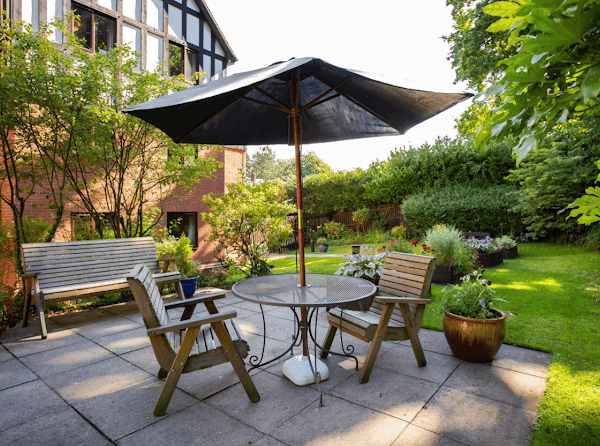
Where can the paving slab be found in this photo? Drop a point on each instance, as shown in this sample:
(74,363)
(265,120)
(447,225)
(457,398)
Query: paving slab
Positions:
(79,318)
(276,328)
(475,420)
(416,436)
(394,394)
(34,344)
(279,401)
(514,388)
(129,409)
(339,423)
(105,327)
(26,402)
(32,329)
(13,373)
(62,359)
(401,359)
(65,428)
(4,354)
(199,424)
(125,341)
(522,360)
(433,341)
(101,378)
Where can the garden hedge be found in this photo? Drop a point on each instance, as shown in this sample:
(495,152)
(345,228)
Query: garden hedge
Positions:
(469,208)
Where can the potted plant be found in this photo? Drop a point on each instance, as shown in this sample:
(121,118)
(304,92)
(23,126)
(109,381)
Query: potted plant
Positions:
(188,269)
(474,330)
(507,245)
(366,264)
(487,252)
(322,244)
(443,242)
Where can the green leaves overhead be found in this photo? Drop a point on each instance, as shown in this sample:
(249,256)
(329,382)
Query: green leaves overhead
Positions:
(555,74)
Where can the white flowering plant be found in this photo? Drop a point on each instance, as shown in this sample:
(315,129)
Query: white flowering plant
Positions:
(367,264)
(473,297)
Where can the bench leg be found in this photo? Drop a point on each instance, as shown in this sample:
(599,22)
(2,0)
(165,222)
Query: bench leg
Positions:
(328,341)
(26,305)
(40,310)
(386,315)
(235,360)
(412,331)
(176,370)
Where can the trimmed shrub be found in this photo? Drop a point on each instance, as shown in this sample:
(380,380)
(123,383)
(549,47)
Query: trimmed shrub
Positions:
(468,208)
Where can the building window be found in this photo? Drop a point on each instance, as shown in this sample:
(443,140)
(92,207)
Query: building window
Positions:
(96,31)
(182,61)
(183,223)
(154,49)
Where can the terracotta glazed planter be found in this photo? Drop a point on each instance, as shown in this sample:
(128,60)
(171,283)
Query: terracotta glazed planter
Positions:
(475,340)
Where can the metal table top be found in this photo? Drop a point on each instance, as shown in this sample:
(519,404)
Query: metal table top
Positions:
(322,290)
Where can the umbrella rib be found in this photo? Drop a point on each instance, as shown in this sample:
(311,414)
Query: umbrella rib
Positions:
(317,100)
(314,104)
(385,121)
(261,91)
(281,109)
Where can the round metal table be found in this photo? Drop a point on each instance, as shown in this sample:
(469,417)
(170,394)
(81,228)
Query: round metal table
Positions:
(321,290)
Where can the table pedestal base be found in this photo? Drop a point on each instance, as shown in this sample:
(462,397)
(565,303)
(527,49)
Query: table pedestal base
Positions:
(299,371)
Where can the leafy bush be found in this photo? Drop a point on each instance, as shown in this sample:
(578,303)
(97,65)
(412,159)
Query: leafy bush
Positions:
(399,245)
(446,162)
(361,217)
(469,208)
(322,241)
(36,230)
(182,250)
(477,245)
(399,232)
(333,229)
(505,242)
(445,241)
(473,297)
(367,263)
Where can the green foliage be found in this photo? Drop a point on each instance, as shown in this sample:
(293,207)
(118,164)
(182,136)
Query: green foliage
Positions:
(265,165)
(361,216)
(181,249)
(367,264)
(446,162)
(505,242)
(475,53)
(553,177)
(37,230)
(468,208)
(592,238)
(473,297)
(555,75)
(587,207)
(322,241)
(399,232)
(445,240)
(333,229)
(400,245)
(248,221)
(327,193)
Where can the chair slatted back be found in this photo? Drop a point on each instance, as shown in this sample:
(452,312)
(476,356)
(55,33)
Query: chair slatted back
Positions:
(405,275)
(148,299)
(71,263)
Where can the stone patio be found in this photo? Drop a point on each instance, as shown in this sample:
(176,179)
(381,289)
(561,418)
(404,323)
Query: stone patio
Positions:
(93,382)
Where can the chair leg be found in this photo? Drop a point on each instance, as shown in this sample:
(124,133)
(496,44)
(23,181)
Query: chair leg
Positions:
(386,315)
(235,360)
(411,330)
(26,304)
(328,341)
(175,372)
(179,290)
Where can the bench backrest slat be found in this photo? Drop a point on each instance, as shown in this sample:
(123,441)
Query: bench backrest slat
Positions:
(70,263)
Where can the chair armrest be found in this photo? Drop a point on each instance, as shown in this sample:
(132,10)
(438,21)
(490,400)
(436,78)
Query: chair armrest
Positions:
(195,300)
(29,275)
(401,300)
(177,326)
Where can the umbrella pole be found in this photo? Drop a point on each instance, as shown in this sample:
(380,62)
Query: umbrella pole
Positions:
(296,122)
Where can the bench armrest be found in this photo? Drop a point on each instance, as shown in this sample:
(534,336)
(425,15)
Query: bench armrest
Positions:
(195,300)
(29,275)
(177,326)
(401,300)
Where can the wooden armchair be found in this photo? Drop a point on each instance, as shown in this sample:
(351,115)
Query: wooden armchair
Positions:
(216,338)
(396,313)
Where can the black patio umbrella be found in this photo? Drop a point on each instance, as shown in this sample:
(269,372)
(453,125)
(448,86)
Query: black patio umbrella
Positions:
(301,101)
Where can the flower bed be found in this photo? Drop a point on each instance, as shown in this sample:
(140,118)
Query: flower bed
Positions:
(487,259)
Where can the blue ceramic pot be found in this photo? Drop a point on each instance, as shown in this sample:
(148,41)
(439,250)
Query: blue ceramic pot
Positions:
(189,286)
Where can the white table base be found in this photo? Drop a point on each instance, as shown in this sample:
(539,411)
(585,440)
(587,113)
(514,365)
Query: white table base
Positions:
(298,370)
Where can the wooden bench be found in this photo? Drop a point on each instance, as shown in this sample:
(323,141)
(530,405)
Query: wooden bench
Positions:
(56,272)
(396,313)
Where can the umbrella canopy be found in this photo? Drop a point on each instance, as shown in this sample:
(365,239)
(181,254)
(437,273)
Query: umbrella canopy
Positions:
(301,101)
(254,107)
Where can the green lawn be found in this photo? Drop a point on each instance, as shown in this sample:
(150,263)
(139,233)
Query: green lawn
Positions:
(552,297)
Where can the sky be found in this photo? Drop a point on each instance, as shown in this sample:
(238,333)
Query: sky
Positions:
(399,40)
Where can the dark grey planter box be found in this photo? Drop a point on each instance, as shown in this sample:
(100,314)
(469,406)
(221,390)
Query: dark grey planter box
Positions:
(444,274)
(488,259)
(509,253)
